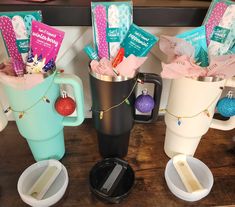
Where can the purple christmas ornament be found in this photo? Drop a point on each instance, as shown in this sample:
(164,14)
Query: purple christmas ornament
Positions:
(144,103)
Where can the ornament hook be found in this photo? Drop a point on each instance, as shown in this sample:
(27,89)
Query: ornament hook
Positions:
(230,94)
(64,94)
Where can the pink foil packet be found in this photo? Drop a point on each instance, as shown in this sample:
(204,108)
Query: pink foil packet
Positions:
(45,42)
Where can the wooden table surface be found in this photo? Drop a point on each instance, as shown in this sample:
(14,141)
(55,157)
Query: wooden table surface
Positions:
(146,156)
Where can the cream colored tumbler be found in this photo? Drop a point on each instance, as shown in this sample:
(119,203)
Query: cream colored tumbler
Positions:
(189,113)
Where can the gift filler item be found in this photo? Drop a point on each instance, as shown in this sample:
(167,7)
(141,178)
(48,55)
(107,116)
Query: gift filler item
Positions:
(188,178)
(138,42)
(182,66)
(27,81)
(3,118)
(197,38)
(103,67)
(113,110)
(36,118)
(189,113)
(169,48)
(9,36)
(213,17)
(21,23)
(222,66)
(110,23)
(45,42)
(111,180)
(221,27)
(223,36)
(43,184)
(178,62)
(128,67)
(89,50)
(119,57)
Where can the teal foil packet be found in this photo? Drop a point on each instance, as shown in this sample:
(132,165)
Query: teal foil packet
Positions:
(138,42)
(21,22)
(197,38)
(110,24)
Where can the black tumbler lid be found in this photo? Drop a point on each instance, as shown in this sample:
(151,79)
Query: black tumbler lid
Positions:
(111,179)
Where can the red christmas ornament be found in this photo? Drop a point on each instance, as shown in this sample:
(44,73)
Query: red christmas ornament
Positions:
(65,105)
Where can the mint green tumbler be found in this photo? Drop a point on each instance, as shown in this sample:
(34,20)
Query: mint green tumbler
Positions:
(36,118)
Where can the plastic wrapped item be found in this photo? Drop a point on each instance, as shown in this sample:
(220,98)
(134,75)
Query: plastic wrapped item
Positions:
(21,22)
(220,27)
(111,22)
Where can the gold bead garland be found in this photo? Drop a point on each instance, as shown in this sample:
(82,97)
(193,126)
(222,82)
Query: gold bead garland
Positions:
(204,111)
(126,100)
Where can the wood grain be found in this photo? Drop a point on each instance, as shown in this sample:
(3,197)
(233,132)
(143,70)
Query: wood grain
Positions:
(146,156)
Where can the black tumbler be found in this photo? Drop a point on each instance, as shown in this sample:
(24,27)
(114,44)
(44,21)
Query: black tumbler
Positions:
(112,116)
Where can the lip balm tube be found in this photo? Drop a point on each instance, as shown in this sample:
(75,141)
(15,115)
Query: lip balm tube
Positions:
(91,53)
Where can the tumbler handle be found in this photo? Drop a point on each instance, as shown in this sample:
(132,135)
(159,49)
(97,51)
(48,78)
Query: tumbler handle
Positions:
(76,83)
(157,81)
(230,123)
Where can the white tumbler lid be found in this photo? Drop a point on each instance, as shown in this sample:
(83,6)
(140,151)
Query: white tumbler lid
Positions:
(32,174)
(192,182)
